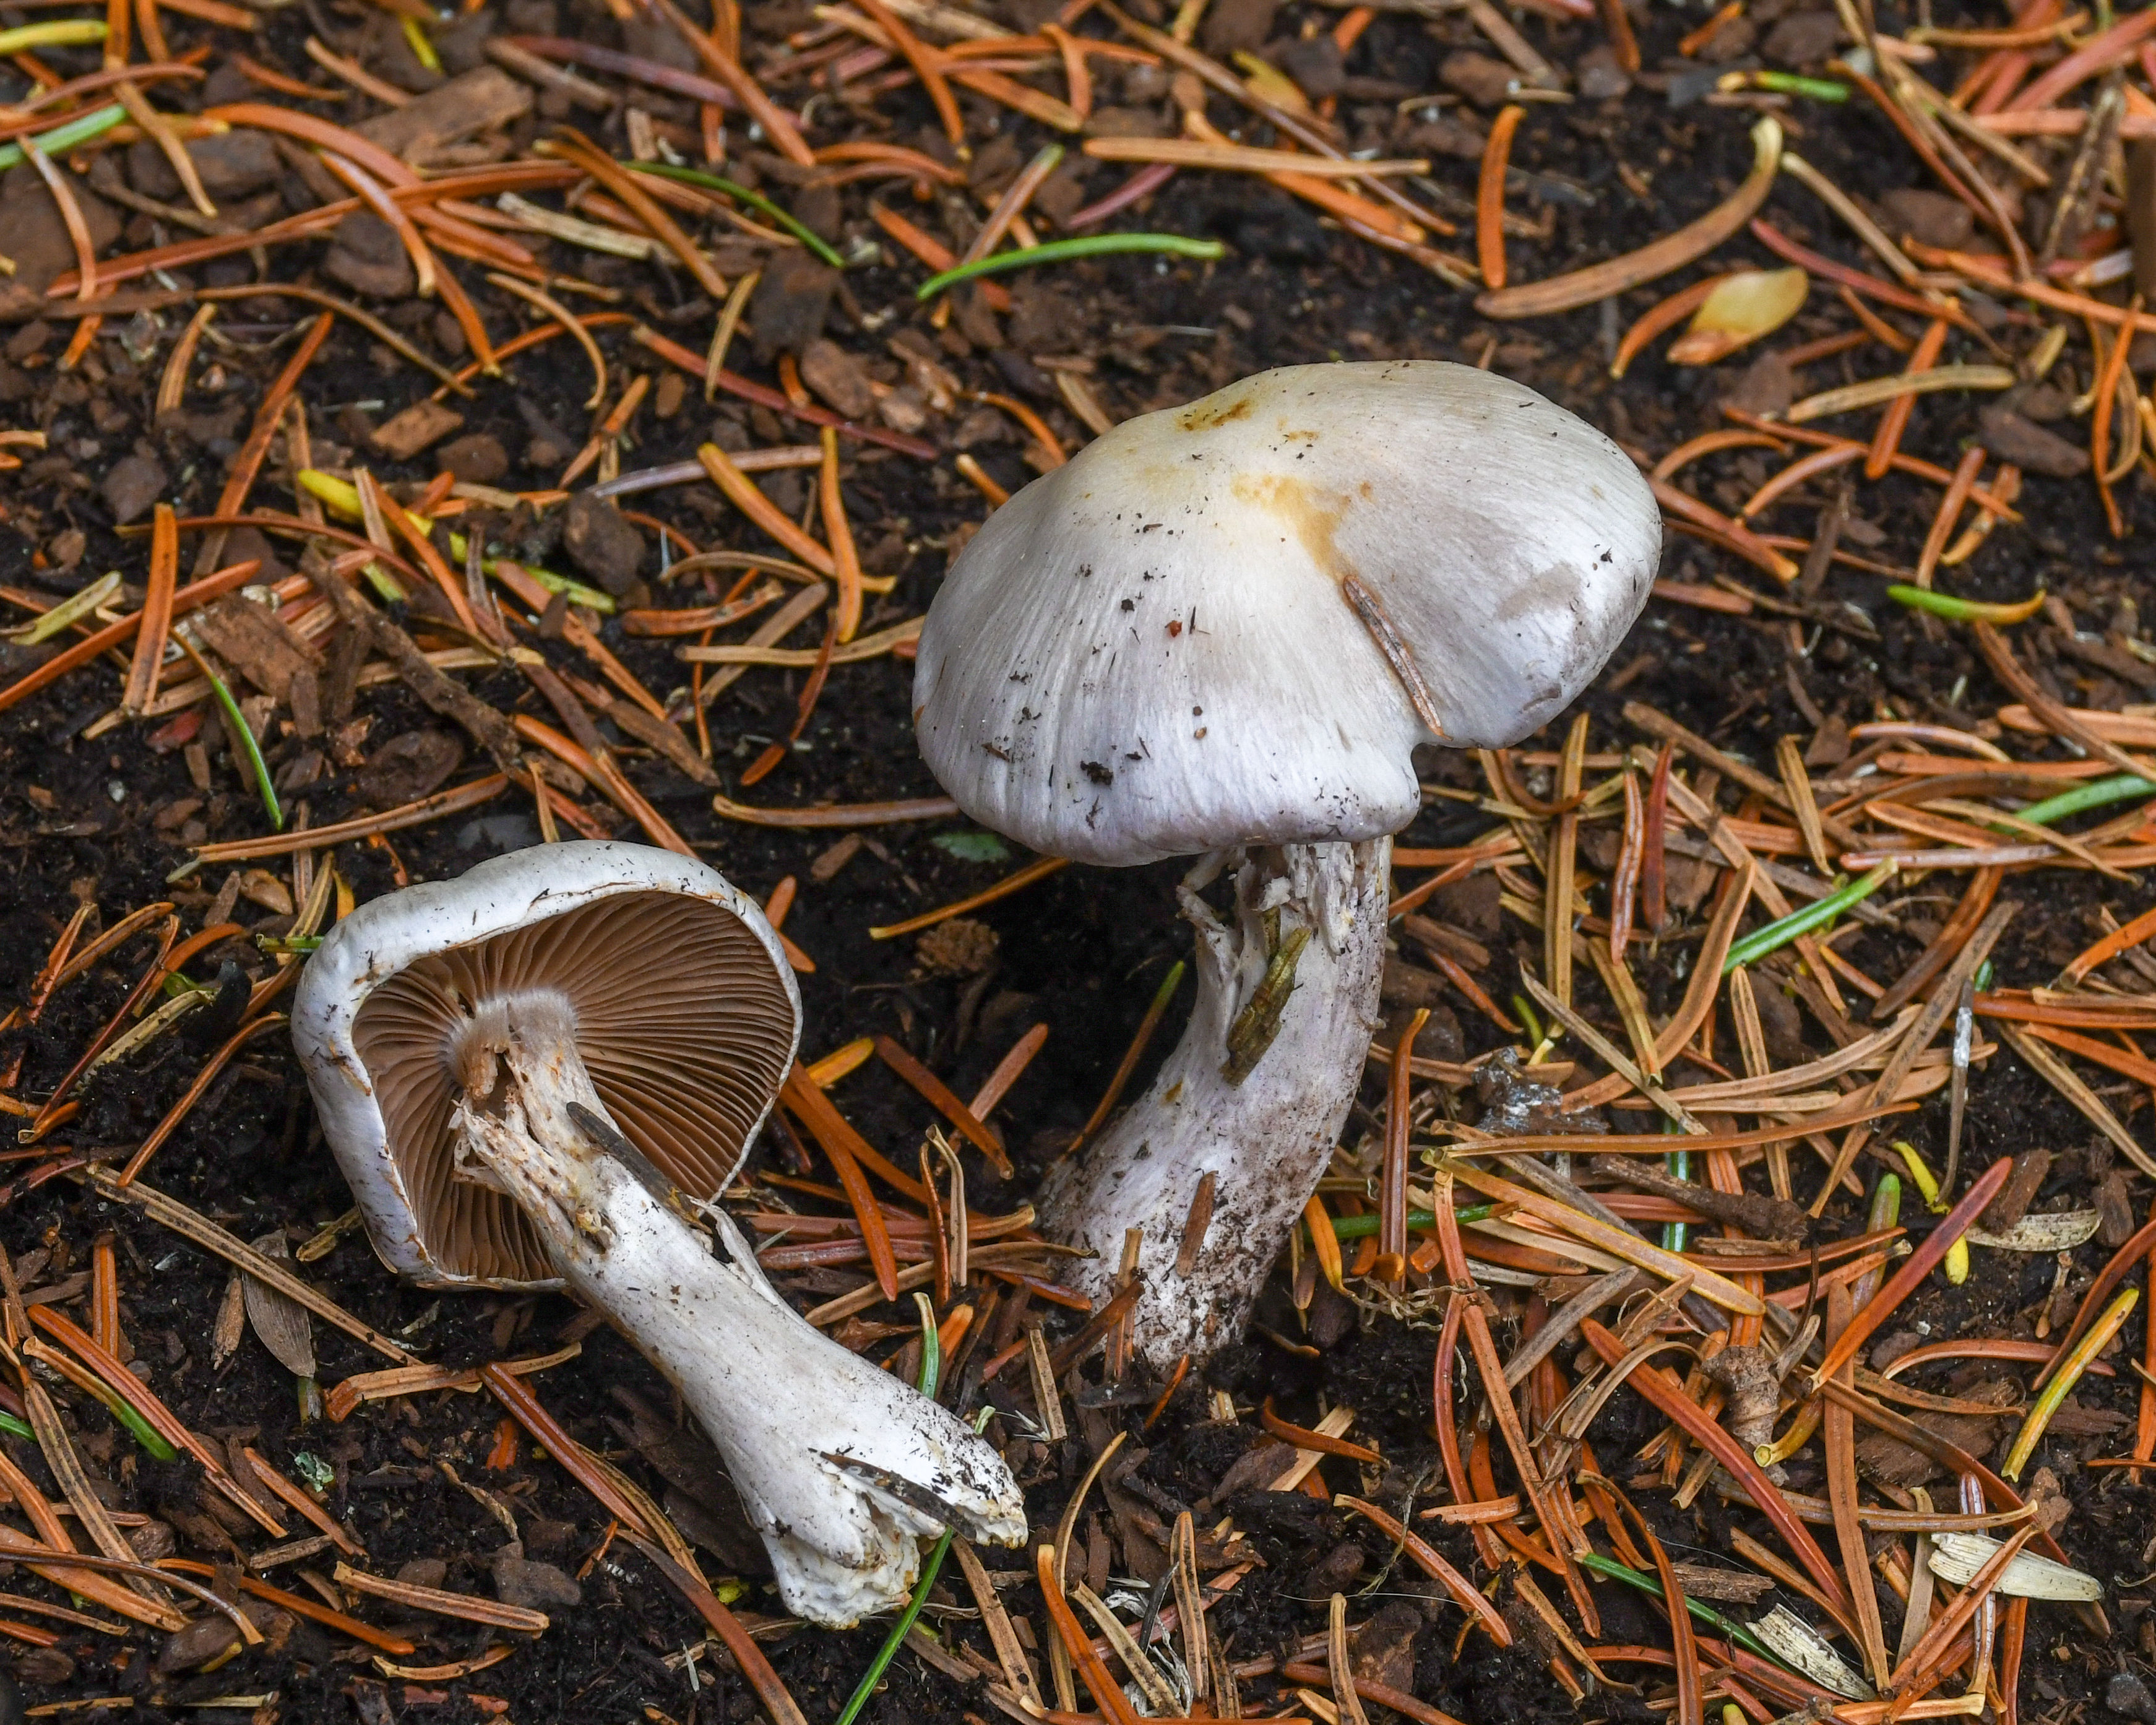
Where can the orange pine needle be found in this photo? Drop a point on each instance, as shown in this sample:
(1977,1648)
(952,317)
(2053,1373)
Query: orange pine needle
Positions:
(1039,869)
(1665,315)
(157,626)
(1490,195)
(2099,415)
(806,1101)
(104,1296)
(927,67)
(939,1096)
(1950,508)
(1883,1304)
(845,559)
(1891,423)
(744,494)
(1392,1264)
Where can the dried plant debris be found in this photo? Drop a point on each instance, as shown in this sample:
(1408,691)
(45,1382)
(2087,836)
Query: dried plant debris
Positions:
(426,437)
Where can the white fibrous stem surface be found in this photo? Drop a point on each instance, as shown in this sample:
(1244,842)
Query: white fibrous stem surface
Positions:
(1265,1140)
(842,1468)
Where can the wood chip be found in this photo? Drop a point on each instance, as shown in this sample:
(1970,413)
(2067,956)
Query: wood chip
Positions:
(418,427)
(469,104)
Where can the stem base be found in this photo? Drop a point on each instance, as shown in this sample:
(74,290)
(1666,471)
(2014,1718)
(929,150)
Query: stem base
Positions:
(1266,1139)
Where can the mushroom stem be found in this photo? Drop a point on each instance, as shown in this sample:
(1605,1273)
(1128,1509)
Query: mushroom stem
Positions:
(840,1466)
(1253,1098)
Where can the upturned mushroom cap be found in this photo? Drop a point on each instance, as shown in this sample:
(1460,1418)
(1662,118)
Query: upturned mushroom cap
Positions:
(1156,649)
(686,1018)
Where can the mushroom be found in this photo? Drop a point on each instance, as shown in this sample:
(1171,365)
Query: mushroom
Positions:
(540,1076)
(1223,629)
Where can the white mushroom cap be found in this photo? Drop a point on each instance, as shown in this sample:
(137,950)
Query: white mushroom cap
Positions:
(686,1011)
(1153,650)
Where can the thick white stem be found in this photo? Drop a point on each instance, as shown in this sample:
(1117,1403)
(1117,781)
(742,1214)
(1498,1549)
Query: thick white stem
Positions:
(841,1467)
(1263,1141)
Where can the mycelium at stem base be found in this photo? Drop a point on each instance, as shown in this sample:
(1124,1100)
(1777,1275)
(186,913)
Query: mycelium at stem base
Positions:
(1253,1098)
(840,1466)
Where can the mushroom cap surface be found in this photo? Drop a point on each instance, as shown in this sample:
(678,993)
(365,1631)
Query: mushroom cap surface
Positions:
(686,1019)
(1151,650)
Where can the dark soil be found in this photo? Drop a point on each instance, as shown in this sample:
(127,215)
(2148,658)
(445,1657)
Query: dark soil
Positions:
(1083,952)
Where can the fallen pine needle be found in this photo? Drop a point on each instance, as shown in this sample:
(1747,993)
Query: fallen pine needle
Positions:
(441,1602)
(1039,869)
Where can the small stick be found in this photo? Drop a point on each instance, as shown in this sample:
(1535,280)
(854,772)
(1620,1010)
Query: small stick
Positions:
(1324,1243)
(1312,136)
(172,384)
(1949,1625)
(56,969)
(1684,1646)
(1532,1482)
(1653,864)
(441,1603)
(577,148)
(65,1568)
(1320,1442)
(1018,1673)
(2068,1083)
(1167,1393)
(1852,214)
(1941,1003)
(743,494)
(104,1295)
(609,428)
(1243,158)
(71,216)
(812,690)
(1975,901)
(58,1452)
(569,321)
(1047,1400)
(410,814)
(1617,23)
